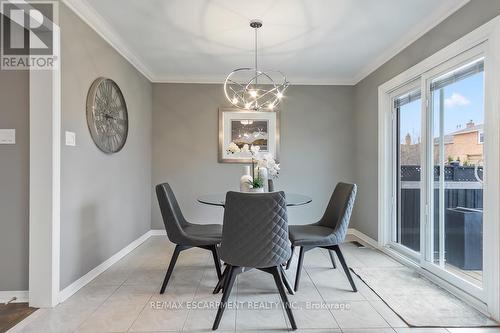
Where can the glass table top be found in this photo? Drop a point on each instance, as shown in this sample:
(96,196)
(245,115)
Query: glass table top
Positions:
(218,199)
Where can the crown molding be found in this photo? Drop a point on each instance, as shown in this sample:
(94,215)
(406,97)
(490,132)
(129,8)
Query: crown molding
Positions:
(85,11)
(103,29)
(409,38)
(299,82)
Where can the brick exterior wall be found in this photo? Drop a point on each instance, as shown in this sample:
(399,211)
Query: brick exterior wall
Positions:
(464,146)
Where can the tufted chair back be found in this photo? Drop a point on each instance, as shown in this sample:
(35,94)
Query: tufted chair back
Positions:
(255,230)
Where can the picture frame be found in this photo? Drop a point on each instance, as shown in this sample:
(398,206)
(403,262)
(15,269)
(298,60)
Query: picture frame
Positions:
(260,128)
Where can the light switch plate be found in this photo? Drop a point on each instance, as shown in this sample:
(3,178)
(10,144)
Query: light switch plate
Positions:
(7,136)
(70,138)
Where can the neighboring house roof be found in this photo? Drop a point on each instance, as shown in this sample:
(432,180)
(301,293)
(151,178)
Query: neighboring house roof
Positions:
(473,128)
(448,138)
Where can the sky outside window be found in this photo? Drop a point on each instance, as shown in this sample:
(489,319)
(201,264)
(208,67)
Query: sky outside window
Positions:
(464,101)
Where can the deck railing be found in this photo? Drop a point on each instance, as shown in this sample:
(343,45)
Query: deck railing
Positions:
(451,173)
(462,189)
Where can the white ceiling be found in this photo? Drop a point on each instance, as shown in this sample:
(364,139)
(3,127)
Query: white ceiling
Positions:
(312,41)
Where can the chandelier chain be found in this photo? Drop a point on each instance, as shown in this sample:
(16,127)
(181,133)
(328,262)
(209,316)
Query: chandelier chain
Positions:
(256,68)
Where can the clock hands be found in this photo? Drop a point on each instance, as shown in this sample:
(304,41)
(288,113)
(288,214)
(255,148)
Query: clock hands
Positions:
(108,116)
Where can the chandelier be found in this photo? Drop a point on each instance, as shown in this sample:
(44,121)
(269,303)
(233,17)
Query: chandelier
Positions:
(251,89)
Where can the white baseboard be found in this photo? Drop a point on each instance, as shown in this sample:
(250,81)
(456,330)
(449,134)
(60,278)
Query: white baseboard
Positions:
(81,282)
(158,232)
(20,296)
(362,237)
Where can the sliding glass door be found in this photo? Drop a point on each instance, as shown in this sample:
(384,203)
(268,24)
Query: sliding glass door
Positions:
(456,106)
(438,171)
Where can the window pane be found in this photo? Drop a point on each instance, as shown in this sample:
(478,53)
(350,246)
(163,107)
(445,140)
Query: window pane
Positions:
(409,135)
(458,125)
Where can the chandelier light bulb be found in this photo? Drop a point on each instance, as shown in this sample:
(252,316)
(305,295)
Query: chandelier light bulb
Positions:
(279,95)
(235,100)
(247,105)
(253,93)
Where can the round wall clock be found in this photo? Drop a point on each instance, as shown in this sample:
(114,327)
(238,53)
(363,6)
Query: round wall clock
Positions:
(107,116)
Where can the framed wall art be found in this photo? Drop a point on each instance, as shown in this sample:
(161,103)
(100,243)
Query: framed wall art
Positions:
(238,128)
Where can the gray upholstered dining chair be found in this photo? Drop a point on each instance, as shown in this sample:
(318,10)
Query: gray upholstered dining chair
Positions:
(183,233)
(254,235)
(329,232)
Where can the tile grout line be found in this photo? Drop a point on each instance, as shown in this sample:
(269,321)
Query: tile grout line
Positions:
(97,307)
(283,313)
(365,299)
(147,302)
(140,312)
(192,299)
(321,295)
(369,303)
(107,298)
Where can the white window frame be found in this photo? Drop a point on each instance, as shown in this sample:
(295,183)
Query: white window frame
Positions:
(488,36)
(457,61)
(392,240)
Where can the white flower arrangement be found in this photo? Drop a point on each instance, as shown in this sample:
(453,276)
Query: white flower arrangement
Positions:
(263,161)
(267,161)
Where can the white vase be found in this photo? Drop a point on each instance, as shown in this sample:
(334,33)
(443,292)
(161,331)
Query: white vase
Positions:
(245,180)
(263,175)
(256,190)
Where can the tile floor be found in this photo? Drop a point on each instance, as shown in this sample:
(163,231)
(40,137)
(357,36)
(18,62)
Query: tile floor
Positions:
(126,298)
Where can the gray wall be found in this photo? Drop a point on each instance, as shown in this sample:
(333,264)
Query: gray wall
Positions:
(466,19)
(106,201)
(334,126)
(14,181)
(316,146)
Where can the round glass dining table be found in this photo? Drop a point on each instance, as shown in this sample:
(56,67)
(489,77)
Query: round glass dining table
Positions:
(219,199)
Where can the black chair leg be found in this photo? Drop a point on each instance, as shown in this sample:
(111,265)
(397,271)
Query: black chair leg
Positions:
(344,266)
(228,285)
(213,248)
(332,258)
(279,284)
(286,281)
(289,262)
(299,268)
(220,284)
(175,255)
